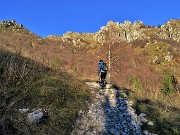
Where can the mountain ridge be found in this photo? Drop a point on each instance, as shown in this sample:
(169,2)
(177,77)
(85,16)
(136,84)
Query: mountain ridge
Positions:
(129,31)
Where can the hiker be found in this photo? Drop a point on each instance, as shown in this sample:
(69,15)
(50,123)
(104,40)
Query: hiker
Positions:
(102,71)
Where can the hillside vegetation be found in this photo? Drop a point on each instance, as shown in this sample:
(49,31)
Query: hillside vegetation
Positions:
(28,84)
(145,62)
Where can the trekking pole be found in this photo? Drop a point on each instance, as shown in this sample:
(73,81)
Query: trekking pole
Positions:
(109,63)
(99,77)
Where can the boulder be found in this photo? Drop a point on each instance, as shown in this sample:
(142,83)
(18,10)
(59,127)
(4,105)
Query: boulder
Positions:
(144,120)
(150,123)
(38,116)
(145,132)
(142,114)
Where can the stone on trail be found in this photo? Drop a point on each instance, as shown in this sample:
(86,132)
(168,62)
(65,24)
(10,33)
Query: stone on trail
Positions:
(142,114)
(150,123)
(146,132)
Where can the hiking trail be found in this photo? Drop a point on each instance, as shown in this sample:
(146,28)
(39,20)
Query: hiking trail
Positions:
(108,114)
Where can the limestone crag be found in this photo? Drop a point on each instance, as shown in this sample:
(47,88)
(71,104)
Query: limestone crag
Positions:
(10,24)
(126,31)
(108,114)
(170,30)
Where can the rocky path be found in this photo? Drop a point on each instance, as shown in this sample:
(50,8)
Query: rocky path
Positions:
(108,114)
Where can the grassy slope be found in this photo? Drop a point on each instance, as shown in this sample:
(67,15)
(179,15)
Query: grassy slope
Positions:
(165,117)
(25,83)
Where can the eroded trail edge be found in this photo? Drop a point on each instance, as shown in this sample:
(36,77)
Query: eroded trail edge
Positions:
(108,114)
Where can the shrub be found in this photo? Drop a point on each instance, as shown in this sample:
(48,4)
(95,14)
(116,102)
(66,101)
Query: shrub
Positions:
(169,83)
(175,131)
(159,25)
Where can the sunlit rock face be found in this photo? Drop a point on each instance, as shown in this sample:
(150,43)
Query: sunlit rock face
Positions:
(170,30)
(126,31)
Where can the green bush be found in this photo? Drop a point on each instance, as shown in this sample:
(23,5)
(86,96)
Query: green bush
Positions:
(168,85)
(175,131)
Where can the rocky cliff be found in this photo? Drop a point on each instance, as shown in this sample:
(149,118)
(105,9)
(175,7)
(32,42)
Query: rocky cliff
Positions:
(10,24)
(127,31)
(170,30)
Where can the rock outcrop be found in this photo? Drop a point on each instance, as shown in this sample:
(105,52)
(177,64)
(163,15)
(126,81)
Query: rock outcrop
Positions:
(126,31)
(10,24)
(170,30)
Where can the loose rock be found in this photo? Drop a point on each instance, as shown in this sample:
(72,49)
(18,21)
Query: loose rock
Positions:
(108,114)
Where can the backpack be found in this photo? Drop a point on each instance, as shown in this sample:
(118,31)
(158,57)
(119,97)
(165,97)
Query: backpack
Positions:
(104,67)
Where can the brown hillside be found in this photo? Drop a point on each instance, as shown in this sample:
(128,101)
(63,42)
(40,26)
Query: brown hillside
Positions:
(79,53)
(142,57)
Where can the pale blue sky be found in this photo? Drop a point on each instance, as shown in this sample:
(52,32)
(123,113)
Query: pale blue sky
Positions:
(47,17)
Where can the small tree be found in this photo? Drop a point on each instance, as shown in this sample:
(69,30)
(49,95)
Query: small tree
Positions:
(159,25)
(168,85)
